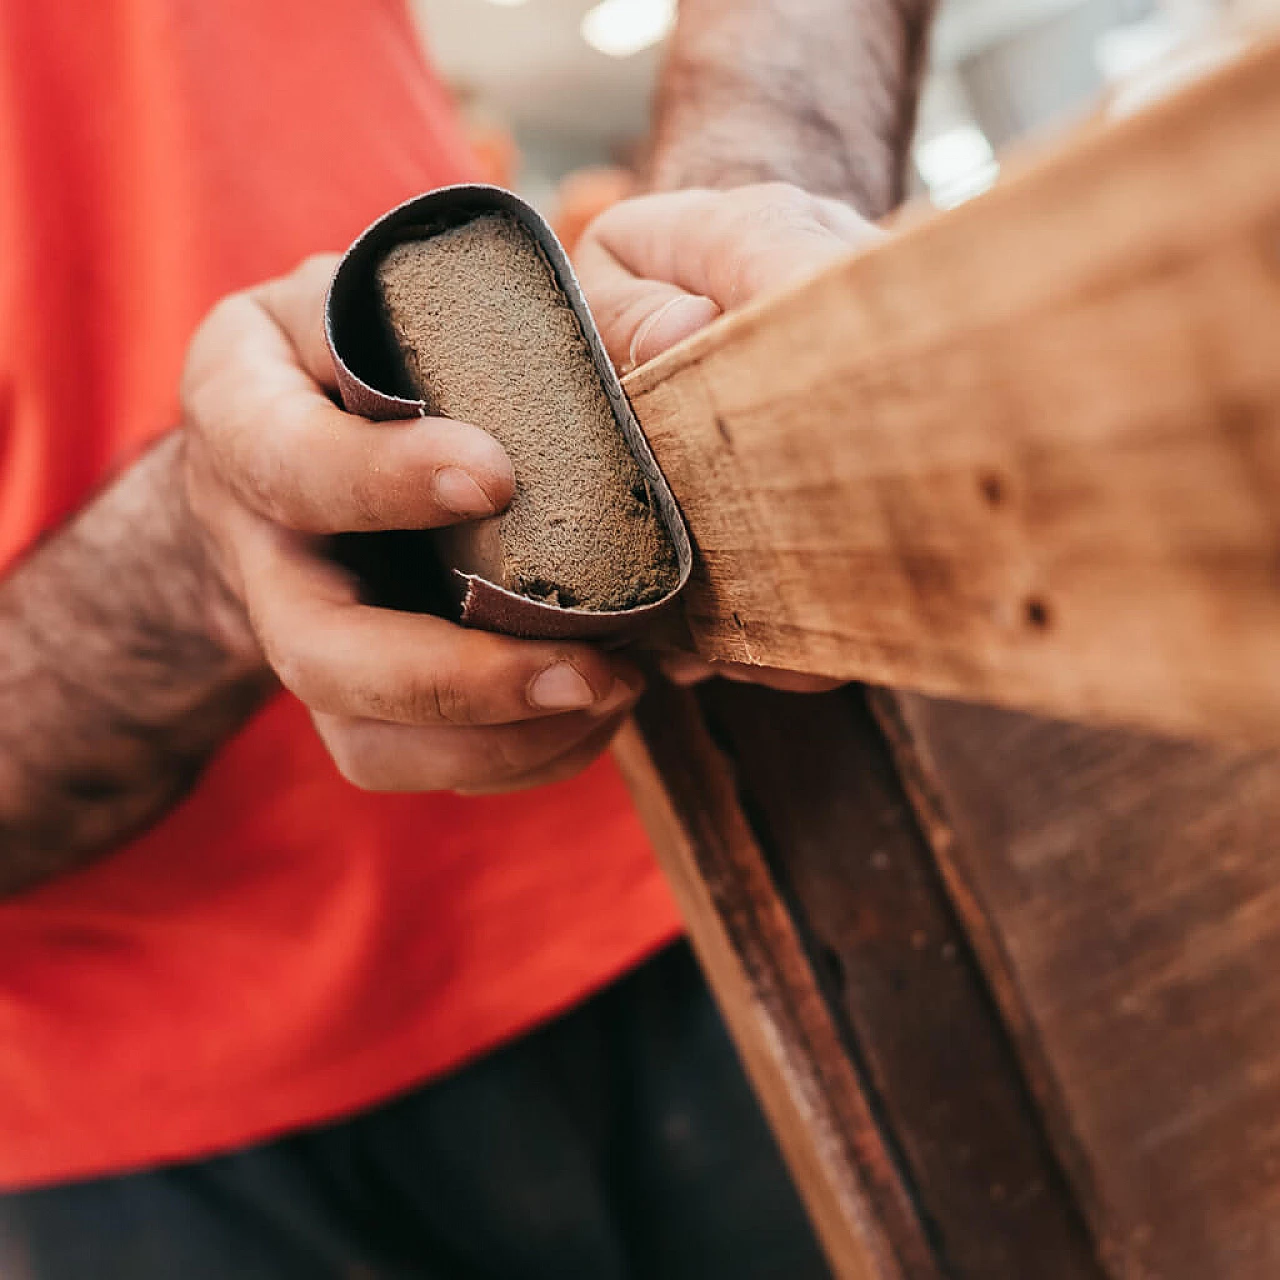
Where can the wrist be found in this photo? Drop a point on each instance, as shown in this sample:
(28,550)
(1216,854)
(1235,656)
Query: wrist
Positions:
(817,93)
(721,126)
(219,606)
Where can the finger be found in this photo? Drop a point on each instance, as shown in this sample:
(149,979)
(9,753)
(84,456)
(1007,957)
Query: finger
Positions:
(562,768)
(343,657)
(726,246)
(638,318)
(286,450)
(391,757)
(748,242)
(846,222)
(296,303)
(775,678)
(685,669)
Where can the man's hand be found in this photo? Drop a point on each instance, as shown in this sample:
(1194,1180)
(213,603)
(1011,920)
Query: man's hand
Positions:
(272,467)
(658,268)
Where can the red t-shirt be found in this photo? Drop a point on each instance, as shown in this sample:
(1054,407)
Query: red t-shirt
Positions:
(282,948)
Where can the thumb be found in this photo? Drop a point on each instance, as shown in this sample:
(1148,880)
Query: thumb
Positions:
(638,318)
(658,268)
(668,320)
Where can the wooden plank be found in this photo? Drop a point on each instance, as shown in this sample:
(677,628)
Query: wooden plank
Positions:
(1026,452)
(850,861)
(1123,893)
(784,1031)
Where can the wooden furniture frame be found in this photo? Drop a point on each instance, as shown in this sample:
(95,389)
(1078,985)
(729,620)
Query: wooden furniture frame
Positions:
(1008,986)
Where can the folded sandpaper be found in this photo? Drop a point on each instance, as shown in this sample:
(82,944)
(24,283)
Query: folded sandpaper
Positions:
(473,273)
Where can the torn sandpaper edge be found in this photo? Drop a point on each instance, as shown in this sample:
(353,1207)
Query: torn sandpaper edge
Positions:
(373,383)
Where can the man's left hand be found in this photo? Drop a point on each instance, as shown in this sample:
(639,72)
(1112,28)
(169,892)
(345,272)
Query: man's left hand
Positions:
(658,268)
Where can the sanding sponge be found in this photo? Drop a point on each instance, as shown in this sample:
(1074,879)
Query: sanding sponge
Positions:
(487,336)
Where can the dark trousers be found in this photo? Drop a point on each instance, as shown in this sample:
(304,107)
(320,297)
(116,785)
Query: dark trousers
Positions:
(619,1141)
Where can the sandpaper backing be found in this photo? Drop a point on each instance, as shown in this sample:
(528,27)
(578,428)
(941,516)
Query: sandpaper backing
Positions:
(462,304)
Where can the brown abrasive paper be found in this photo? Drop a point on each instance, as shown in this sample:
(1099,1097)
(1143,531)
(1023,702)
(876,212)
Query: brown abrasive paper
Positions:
(461,303)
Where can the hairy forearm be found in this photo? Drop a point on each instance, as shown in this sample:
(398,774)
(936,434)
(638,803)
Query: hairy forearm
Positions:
(123,664)
(821,93)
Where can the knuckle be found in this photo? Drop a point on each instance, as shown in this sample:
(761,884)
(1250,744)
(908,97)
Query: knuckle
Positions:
(349,748)
(510,754)
(294,667)
(368,504)
(225,313)
(781,195)
(773,218)
(317,264)
(772,207)
(204,355)
(616,308)
(604,222)
(443,698)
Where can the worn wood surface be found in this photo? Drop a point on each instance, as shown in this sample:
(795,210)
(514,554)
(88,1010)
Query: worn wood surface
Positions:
(786,1035)
(847,982)
(1026,452)
(1124,894)
(849,859)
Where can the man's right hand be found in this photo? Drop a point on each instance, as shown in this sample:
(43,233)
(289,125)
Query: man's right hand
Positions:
(404,702)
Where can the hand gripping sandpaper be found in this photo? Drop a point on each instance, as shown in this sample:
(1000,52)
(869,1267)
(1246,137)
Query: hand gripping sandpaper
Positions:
(461,303)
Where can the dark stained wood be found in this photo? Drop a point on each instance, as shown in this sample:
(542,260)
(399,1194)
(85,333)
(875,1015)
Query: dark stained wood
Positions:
(1123,893)
(785,1033)
(849,857)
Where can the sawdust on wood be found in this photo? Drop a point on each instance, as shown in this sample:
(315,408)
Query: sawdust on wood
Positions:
(488,337)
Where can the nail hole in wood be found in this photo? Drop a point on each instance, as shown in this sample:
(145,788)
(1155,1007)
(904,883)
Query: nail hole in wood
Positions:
(992,487)
(1037,613)
(737,621)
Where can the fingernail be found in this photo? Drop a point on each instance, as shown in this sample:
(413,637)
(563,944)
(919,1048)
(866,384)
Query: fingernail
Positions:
(456,491)
(683,315)
(560,688)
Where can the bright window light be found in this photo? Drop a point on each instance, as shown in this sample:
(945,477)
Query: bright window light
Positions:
(1127,51)
(954,154)
(620,28)
(956,164)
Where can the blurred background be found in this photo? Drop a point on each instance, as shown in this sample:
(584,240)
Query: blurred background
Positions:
(554,87)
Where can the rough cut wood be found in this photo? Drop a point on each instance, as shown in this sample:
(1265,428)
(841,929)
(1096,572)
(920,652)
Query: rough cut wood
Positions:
(1027,452)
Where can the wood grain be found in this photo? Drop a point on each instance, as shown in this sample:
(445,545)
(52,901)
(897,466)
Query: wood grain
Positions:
(850,861)
(1124,895)
(786,1035)
(1026,452)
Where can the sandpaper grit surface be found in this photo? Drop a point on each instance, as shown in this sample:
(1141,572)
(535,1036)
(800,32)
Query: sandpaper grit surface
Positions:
(488,337)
